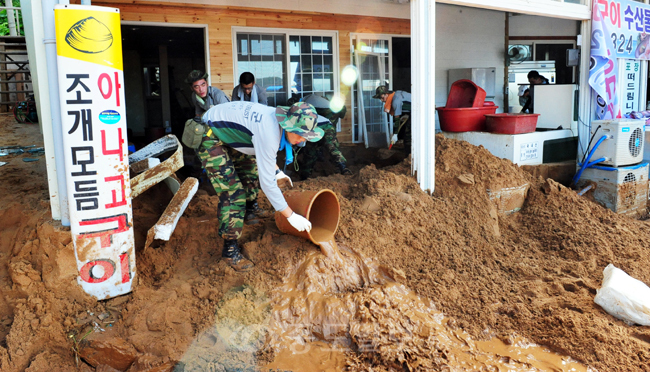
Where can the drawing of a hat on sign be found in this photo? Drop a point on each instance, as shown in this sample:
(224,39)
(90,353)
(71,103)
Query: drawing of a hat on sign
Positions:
(89,36)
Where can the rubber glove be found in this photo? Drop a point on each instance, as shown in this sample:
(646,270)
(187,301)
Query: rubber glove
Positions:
(299,222)
(393,139)
(280,175)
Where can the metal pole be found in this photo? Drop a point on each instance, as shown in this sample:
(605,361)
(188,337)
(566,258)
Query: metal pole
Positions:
(55,107)
(506,57)
(17,21)
(11,20)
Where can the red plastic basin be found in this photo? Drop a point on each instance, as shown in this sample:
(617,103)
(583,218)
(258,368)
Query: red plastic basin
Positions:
(464,93)
(511,123)
(464,119)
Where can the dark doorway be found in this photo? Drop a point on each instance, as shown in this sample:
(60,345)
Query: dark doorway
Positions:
(149,104)
(402,63)
(557,53)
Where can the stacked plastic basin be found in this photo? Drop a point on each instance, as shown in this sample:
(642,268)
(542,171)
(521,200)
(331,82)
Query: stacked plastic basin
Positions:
(465,109)
(511,123)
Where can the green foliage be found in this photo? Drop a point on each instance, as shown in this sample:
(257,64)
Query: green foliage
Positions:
(4,22)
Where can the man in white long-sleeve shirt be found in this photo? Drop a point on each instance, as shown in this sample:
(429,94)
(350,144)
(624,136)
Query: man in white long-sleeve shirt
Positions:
(242,138)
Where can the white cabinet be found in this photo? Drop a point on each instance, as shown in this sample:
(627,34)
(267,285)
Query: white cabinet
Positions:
(556,104)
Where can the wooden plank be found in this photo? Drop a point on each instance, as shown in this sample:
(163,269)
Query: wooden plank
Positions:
(344,137)
(279,24)
(139,6)
(220,38)
(123,4)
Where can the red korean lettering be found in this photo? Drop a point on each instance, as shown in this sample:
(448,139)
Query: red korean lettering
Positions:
(118,85)
(604,8)
(615,13)
(100,83)
(125,267)
(115,202)
(610,85)
(106,234)
(97,271)
(118,151)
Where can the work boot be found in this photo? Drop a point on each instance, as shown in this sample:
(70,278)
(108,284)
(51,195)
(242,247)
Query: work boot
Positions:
(252,215)
(233,257)
(343,168)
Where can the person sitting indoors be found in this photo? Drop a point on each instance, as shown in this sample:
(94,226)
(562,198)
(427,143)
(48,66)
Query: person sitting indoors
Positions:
(248,91)
(204,96)
(534,78)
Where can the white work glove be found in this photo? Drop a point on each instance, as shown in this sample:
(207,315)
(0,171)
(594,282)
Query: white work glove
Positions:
(299,222)
(280,175)
(393,139)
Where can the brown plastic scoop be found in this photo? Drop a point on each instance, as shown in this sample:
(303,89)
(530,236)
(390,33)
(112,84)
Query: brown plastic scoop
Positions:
(321,208)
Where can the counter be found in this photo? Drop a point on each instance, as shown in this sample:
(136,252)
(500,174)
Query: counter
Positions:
(522,149)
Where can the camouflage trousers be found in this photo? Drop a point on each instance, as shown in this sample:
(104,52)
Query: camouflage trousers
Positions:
(235,179)
(329,142)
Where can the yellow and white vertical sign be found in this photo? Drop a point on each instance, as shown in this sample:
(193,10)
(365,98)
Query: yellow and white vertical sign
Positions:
(93,116)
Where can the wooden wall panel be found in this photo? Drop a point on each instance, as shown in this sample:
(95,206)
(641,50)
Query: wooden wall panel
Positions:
(220,20)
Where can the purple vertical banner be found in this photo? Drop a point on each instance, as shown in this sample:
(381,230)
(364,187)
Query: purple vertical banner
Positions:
(603,67)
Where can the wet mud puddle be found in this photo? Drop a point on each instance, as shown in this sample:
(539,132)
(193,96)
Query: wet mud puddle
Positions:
(338,308)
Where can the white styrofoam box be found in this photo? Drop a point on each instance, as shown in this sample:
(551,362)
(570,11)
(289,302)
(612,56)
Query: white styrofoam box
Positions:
(624,190)
(555,104)
(624,144)
(483,77)
(522,149)
(624,297)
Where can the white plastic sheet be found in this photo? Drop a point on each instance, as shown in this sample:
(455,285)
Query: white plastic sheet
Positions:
(624,297)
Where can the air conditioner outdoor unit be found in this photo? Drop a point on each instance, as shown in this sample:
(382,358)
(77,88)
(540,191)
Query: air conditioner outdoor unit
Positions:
(624,190)
(624,143)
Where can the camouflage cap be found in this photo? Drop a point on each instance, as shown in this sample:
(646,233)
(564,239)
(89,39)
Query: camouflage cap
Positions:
(382,89)
(301,119)
(195,75)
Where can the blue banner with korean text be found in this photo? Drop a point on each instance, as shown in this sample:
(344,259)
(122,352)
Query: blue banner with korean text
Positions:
(620,33)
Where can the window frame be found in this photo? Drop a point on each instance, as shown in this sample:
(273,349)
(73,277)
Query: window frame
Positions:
(355,37)
(287,33)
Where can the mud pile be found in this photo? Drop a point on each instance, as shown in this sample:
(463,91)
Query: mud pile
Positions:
(531,274)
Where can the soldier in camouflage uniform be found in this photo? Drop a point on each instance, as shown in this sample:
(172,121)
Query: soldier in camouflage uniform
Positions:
(234,188)
(239,134)
(329,142)
(205,96)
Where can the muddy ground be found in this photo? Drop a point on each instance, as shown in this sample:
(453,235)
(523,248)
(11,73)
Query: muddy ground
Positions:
(531,274)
